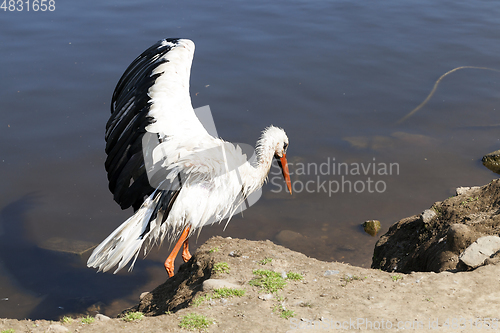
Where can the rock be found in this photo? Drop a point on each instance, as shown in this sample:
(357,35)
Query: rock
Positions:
(427,215)
(144,294)
(211,284)
(331,272)
(372,227)
(493,260)
(480,250)
(492,161)
(266,297)
(289,237)
(464,189)
(57,328)
(297,241)
(459,237)
(102,317)
(411,245)
(235,253)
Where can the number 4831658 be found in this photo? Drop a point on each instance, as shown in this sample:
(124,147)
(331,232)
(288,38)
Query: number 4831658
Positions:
(27,5)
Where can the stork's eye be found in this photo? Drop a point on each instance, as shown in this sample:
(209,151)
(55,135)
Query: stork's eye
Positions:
(285,146)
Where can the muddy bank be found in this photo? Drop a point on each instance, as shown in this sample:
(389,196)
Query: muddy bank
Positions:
(330,295)
(435,239)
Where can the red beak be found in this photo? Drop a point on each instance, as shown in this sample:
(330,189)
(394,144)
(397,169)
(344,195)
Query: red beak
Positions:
(284,169)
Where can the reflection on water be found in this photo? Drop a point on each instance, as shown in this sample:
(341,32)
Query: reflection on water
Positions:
(58,282)
(337,76)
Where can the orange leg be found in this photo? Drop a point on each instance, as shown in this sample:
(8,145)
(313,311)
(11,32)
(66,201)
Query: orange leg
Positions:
(185,250)
(183,240)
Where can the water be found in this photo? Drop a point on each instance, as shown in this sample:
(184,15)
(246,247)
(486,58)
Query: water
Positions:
(337,75)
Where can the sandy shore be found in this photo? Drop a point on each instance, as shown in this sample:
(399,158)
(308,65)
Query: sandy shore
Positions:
(331,296)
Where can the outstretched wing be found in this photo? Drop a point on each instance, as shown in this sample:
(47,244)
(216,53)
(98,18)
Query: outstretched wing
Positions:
(151,96)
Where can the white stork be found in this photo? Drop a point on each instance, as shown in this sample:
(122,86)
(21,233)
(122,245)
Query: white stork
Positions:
(196,187)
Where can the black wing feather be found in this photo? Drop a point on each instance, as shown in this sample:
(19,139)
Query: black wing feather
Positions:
(125,128)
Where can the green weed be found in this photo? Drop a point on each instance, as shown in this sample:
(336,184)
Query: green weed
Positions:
(195,321)
(221,267)
(265,261)
(132,316)
(268,280)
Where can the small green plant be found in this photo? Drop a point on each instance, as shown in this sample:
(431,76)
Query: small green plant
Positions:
(349,278)
(438,210)
(265,261)
(429,299)
(294,276)
(268,280)
(214,249)
(468,200)
(195,321)
(88,320)
(221,267)
(287,314)
(132,316)
(10,330)
(284,313)
(396,277)
(228,292)
(65,320)
(200,299)
(219,293)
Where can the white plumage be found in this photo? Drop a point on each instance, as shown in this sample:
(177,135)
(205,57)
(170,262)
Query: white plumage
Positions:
(200,179)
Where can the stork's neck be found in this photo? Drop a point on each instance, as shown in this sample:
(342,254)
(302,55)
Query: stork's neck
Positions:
(265,154)
(256,173)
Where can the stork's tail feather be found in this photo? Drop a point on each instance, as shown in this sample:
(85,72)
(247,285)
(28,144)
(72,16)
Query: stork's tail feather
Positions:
(145,226)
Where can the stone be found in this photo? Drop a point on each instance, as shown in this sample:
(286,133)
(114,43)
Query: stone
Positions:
(289,237)
(211,284)
(492,161)
(465,189)
(331,272)
(235,253)
(266,297)
(483,248)
(427,215)
(459,237)
(372,227)
(101,317)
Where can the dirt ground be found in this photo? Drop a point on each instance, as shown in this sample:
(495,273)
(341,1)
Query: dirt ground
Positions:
(330,296)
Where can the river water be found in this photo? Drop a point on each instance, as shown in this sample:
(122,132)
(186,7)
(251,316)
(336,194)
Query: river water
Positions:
(336,75)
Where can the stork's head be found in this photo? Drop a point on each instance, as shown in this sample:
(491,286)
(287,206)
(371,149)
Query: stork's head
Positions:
(279,142)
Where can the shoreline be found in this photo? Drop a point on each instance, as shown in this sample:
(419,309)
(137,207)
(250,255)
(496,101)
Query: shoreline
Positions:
(321,296)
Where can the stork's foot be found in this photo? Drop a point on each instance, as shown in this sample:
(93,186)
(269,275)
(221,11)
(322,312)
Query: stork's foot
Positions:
(169,267)
(183,240)
(186,256)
